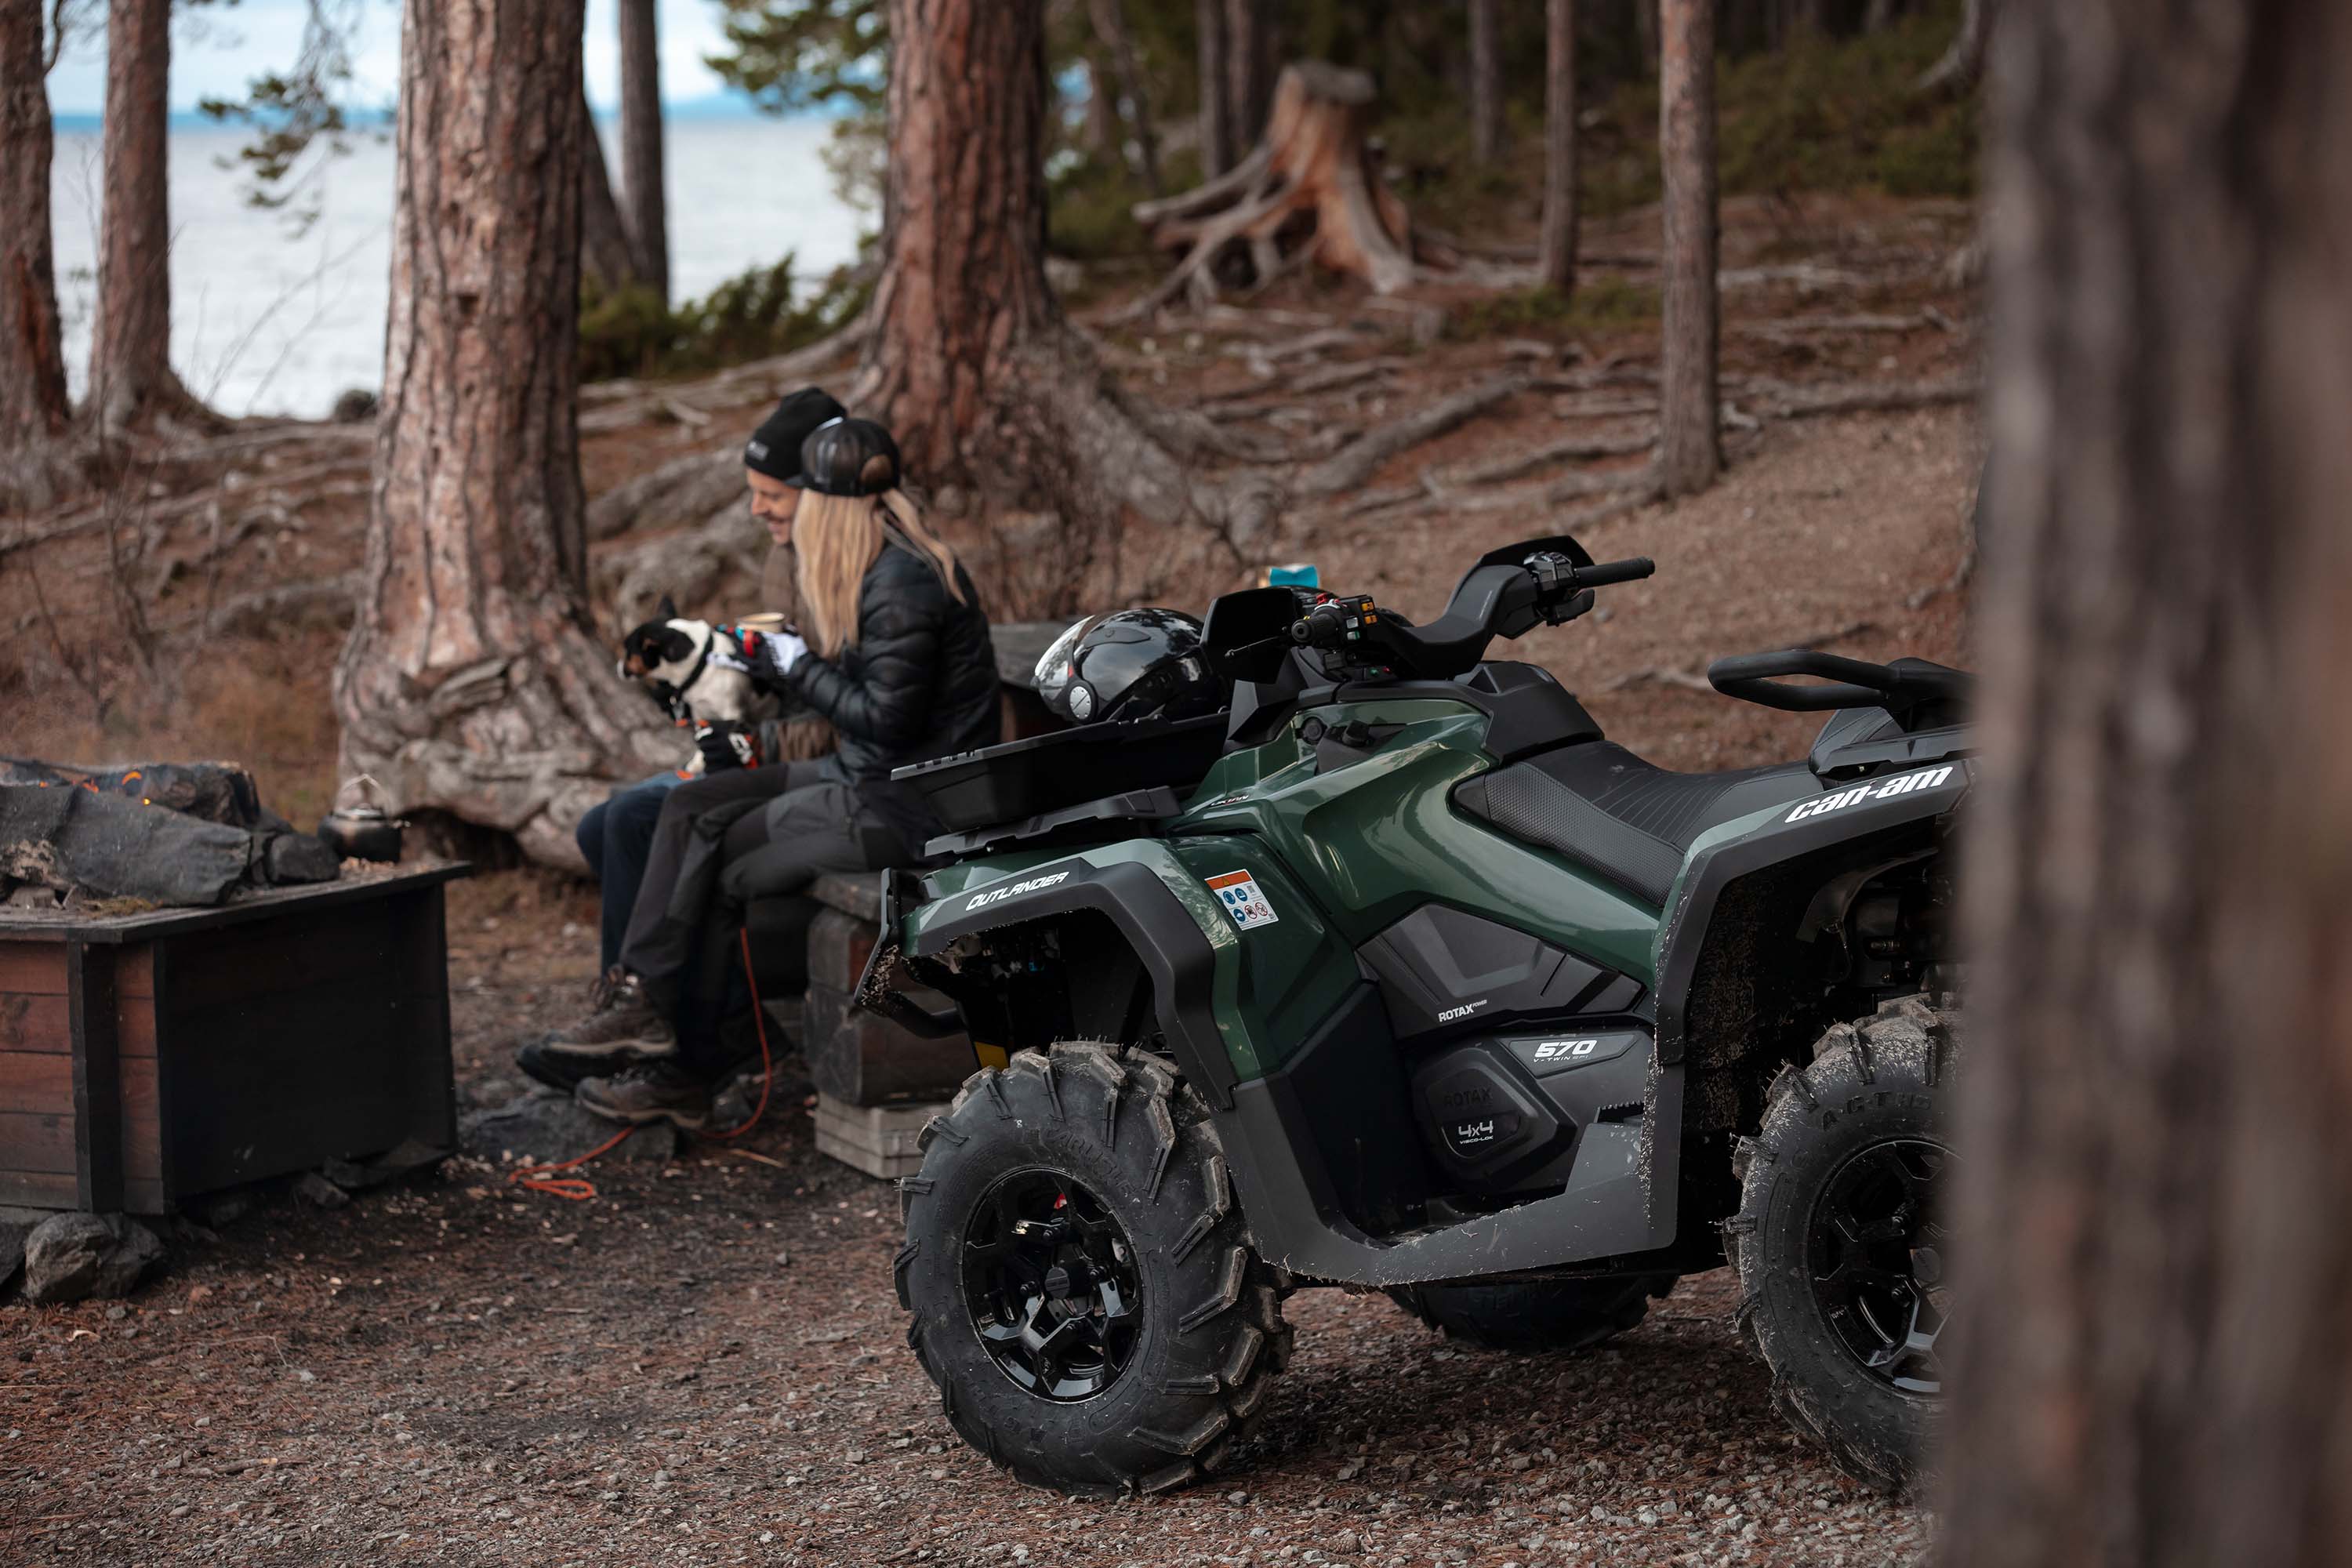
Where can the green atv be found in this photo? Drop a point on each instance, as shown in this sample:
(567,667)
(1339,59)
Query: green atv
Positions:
(1396,974)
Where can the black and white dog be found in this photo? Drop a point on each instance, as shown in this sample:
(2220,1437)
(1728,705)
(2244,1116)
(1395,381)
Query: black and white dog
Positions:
(702,671)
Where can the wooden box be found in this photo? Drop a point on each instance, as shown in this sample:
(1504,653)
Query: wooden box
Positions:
(147,1058)
(881,1140)
(858,1057)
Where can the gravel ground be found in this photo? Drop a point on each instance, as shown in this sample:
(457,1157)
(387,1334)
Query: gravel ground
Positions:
(705,1364)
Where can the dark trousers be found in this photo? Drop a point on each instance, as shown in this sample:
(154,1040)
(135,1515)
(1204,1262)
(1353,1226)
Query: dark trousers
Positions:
(770,854)
(663,929)
(617,837)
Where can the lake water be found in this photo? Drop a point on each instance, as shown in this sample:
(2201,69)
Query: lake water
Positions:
(264,321)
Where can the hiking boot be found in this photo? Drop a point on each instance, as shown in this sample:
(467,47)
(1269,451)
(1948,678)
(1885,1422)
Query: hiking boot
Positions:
(568,1072)
(656,1091)
(621,1024)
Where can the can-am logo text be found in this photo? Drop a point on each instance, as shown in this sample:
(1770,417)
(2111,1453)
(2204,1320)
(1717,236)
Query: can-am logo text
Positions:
(1892,787)
(1030,885)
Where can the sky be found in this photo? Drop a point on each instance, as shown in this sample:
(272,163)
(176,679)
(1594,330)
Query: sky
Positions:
(216,50)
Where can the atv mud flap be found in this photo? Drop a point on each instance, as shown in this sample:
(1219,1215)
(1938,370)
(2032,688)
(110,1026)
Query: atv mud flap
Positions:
(878,987)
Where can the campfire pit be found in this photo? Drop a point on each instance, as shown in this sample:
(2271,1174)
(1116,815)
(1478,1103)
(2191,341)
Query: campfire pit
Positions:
(145,1058)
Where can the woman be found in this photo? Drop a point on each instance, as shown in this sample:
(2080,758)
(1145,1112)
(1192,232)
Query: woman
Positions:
(893,650)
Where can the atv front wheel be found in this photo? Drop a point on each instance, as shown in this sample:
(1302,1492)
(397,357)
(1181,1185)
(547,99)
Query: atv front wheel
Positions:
(1841,1240)
(1535,1314)
(1084,1291)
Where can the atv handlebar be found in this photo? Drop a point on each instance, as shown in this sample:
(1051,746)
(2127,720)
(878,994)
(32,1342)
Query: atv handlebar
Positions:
(1498,598)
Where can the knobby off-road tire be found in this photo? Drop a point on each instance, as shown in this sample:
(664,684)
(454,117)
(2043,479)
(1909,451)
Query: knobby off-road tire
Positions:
(1536,1314)
(1137,1148)
(1870,1115)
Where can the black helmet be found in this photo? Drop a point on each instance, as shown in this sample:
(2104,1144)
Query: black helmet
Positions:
(1133,663)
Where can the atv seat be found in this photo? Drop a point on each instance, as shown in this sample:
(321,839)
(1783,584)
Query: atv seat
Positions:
(1602,808)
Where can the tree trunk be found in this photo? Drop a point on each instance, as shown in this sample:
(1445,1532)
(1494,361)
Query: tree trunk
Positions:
(606,254)
(1110,26)
(1878,16)
(1249,73)
(471,682)
(994,398)
(1645,30)
(130,375)
(1216,117)
(33,409)
(2154,1169)
(1556,252)
(1105,136)
(1689,451)
(1485,80)
(1313,165)
(1961,65)
(642,179)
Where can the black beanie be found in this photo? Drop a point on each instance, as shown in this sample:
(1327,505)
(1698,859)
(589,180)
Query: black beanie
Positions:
(774,449)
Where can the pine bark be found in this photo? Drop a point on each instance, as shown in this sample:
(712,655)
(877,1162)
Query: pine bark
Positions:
(1690,453)
(642,182)
(1249,74)
(1485,80)
(1556,250)
(471,682)
(606,254)
(2155,1170)
(1110,17)
(130,375)
(1216,131)
(963,281)
(33,413)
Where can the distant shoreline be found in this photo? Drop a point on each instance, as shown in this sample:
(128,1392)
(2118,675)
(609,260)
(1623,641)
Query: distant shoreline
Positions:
(713,106)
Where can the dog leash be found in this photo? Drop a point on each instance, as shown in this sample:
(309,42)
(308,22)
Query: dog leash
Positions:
(580,1189)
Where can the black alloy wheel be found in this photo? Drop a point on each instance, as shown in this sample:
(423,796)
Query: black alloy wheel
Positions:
(1840,1242)
(1050,1280)
(1876,1250)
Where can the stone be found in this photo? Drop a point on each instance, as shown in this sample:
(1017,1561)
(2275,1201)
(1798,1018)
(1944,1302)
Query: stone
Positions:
(546,1127)
(75,1257)
(221,1210)
(293,858)
(404,1158)
(314,1188)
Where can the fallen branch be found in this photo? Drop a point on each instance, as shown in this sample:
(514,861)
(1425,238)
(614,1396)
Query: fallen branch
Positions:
(1791,401)
(327,601)
(1363,457)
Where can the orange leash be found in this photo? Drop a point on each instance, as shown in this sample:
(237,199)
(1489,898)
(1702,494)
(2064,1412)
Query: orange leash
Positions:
(579,1189)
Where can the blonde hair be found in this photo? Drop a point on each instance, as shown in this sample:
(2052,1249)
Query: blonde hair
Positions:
(836,539)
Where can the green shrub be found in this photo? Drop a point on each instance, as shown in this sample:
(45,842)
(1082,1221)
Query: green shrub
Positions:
(628,332)
(1817,114)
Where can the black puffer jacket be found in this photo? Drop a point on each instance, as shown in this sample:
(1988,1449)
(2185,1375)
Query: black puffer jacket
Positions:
(919,682)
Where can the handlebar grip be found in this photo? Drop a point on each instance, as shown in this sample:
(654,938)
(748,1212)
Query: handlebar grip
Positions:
(1608,572)
(1317,627)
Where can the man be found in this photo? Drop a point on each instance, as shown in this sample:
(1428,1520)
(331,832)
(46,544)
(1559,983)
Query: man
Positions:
(643,829)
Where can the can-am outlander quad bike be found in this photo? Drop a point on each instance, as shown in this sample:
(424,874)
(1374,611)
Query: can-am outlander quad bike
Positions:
(1398,974)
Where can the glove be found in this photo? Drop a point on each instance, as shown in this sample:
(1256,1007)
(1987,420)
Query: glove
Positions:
(725,744)
(771,655)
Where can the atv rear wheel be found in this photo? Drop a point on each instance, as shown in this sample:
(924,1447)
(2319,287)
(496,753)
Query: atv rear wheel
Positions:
(1841,1244)
(1535,1314)
(1084,1291)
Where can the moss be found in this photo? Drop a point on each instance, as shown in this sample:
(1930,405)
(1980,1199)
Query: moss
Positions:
(1601,300)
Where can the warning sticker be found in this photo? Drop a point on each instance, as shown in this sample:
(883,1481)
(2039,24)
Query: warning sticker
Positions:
(1238,891)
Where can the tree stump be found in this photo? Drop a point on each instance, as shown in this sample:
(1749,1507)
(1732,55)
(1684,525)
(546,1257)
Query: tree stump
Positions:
(1309,190)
